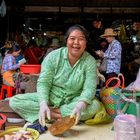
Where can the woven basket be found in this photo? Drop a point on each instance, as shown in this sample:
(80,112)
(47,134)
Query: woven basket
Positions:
(110,95)
(111,98)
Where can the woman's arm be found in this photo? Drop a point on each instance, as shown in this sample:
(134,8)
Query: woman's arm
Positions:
(44,82)
(90,83)
(9,64)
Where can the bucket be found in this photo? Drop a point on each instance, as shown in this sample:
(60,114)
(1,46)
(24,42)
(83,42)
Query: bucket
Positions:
(127,126)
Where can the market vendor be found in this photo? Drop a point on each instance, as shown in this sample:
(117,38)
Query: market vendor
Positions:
(66,85)
(10,67)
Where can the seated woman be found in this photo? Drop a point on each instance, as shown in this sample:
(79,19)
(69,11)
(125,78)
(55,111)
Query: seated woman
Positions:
(66,85)
(9,66)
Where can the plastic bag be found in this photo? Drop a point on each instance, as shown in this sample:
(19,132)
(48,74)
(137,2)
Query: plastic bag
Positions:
(101,117)
(3,9)
(135,86)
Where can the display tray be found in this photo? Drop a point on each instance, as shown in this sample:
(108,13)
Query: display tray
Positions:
(34,133)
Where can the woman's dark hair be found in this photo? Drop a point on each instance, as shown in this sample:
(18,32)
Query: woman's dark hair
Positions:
(77,27)
(14,48)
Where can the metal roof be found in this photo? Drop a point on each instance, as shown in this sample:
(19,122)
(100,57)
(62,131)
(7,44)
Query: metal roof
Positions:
(80,3)
(93,6)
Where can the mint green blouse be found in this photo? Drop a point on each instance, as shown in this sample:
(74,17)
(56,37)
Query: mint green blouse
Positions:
(59,83)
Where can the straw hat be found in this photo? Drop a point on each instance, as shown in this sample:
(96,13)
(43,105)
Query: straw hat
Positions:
(108,32)
(55,42)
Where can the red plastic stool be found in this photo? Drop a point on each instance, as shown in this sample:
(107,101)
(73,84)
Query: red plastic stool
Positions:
(10,91)
(2,121)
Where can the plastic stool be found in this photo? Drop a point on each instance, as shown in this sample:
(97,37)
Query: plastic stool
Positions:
(2,121)
(10,91)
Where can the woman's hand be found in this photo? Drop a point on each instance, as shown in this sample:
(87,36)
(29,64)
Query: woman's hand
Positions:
(80,106)
(44,112)
(100,53)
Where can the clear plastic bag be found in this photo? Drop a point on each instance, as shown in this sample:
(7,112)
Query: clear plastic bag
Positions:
(3,9)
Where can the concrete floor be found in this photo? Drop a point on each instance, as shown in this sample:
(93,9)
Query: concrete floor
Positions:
(78,132)
(84,132)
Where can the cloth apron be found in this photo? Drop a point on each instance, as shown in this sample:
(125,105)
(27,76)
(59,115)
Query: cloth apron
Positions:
(8,78)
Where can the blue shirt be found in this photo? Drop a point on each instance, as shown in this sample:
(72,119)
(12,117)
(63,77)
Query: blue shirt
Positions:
(113,55)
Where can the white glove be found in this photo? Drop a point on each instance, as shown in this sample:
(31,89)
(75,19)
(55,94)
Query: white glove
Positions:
(80,106)
(101,76)
(44,112)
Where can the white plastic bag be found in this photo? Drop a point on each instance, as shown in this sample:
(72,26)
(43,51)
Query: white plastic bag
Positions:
(3,9)
(136,84)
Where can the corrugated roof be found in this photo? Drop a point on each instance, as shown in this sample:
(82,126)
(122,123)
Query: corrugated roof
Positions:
(85,6)
(85,3)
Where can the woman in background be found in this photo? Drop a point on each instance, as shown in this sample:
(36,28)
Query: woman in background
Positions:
(10,67)
(113,54)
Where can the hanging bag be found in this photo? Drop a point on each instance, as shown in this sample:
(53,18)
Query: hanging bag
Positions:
(103,66)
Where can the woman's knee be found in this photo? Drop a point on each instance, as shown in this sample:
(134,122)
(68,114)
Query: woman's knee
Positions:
(91,110)
(12,102)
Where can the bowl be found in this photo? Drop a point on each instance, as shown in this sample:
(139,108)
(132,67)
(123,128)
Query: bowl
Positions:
(34,133)
(30,69)
(15,120)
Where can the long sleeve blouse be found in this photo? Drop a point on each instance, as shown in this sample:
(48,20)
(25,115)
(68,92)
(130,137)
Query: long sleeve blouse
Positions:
(9,63)
(59,83)
(113,55)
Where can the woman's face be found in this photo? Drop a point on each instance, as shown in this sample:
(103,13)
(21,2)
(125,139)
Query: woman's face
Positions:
(16,53)
(76,43)
(109,38)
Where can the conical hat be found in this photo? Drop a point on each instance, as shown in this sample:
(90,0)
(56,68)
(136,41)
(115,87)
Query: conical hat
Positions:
(108,32)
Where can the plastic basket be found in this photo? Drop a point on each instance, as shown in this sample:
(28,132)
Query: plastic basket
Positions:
(30,69)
